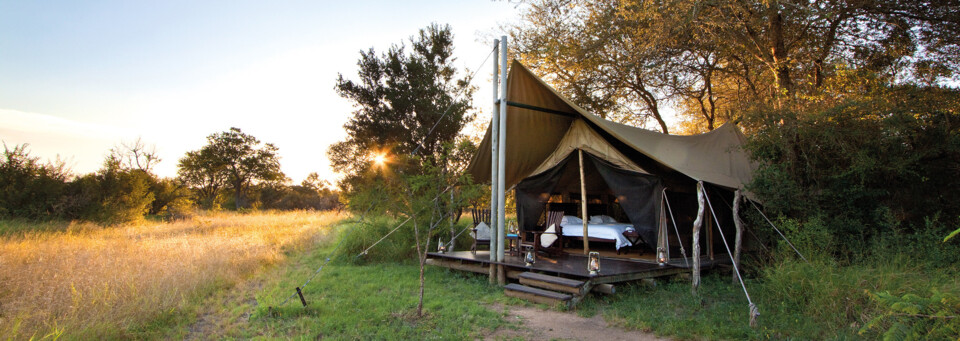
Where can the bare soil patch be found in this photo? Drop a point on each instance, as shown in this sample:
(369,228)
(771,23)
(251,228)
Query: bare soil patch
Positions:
(537,324)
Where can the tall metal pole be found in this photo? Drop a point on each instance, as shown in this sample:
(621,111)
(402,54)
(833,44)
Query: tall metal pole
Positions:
(501,191)
(494,165)
(583,206)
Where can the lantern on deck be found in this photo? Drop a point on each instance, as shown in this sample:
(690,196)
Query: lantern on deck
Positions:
(661,256)
(593,263)
(512,227)
(441,247)
(531,257)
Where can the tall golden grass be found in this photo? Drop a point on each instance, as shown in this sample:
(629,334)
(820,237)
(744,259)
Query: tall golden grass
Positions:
(86,281)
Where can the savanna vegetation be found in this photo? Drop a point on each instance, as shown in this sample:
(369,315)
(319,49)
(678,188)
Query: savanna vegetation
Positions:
(79,280)
(850,108)
(234,170)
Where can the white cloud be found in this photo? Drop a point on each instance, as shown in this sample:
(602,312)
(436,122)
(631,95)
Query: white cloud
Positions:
(82,144)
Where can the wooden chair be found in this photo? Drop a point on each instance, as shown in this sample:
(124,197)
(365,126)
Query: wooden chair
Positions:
(553,218)
(480,215)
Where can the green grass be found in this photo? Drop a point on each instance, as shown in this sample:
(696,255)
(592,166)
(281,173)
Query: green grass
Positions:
(797,301)
(377,300)
(372,301)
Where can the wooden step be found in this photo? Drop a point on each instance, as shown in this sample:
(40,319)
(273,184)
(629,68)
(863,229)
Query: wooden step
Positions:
(554,283)
(536,295)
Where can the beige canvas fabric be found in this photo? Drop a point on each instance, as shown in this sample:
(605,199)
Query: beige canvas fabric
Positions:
(580,136)
(534,136)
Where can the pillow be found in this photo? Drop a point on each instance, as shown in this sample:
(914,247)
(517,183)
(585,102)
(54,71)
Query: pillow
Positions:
(608,219)
(571,220)
(549,236)
(596,219)
(483,232)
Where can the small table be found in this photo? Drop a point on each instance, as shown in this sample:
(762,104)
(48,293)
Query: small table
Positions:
(634,238)
(513,244)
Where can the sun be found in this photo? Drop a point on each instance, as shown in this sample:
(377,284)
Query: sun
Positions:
(380,159)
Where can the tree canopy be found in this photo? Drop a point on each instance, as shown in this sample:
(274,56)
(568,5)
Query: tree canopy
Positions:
(405,100)
(231,159)
(714,60)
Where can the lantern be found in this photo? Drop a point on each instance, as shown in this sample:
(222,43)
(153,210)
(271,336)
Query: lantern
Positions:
(593,263)
(441,247)
(531,257)
(512,227)
(661,256)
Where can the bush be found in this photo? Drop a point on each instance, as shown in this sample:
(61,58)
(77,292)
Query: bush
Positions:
(30,189)
(398,247)
(863,167)
(358,236)
(113,195)
(911,317)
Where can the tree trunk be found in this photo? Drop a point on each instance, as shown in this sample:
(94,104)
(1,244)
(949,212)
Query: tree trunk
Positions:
(779,49)
(421,259)
(695,279)
(738,240)
(238,194)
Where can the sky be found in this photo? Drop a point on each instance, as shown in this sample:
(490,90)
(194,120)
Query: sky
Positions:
(80,77)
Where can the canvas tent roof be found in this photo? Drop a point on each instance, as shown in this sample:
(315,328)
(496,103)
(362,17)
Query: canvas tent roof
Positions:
(538,119)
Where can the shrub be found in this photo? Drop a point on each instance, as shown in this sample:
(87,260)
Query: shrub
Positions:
(358,236)
(911,317)
(30,189)
(865,166)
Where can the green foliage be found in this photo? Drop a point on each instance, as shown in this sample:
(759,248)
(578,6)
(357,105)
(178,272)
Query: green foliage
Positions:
(231,158)
(358,236)
(912,317)
(862,166)
(951,235)
(115,195)
(29,188)
(713,60)
(812,239)
(311,194)
(400,97)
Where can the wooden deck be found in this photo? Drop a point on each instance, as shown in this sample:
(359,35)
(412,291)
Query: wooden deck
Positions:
(612,269)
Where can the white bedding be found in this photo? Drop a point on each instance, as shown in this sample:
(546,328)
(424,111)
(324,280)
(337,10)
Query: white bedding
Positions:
(606,231)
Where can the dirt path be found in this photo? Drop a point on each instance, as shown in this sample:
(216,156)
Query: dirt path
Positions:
(216,317)
(536,324)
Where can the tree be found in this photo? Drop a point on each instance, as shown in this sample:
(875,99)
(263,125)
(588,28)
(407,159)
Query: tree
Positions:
(137,155)
(405,102)
(231,158)
(29,188)
(717,59)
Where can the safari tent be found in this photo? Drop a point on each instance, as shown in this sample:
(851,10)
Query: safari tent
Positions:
(558,156)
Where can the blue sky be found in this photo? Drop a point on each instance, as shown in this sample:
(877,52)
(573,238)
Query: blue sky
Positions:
(77,78)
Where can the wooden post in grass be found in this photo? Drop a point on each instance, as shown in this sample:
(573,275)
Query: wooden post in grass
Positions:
(695,278)
(737,198)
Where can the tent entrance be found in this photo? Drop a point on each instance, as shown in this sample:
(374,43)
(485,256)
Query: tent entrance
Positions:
(631,197)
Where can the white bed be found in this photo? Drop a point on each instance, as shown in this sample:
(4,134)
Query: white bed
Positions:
(573,227)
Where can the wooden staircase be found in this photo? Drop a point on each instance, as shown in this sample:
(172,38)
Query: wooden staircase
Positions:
(546,289)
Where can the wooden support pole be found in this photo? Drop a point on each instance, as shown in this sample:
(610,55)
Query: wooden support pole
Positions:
(583,206)
(494,153)
(737,198)
(501,173)
(709,223)
(695,278)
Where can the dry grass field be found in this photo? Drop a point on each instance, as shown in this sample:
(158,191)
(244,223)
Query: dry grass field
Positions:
(82,281)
